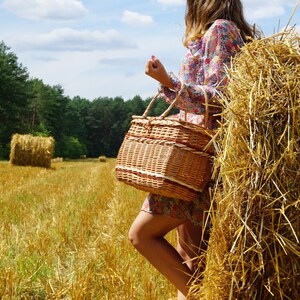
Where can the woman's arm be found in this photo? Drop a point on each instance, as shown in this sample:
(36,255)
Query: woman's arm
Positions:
(221,41)
(155,69)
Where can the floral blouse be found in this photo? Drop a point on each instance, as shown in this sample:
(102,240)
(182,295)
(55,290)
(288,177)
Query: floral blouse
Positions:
(203,70)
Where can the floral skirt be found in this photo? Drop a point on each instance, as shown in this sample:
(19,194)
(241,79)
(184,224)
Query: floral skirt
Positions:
(193,211)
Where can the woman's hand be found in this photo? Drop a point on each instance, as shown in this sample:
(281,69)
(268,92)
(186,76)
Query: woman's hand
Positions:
(155,69)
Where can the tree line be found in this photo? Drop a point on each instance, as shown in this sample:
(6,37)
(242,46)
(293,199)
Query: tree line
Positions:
(79,126)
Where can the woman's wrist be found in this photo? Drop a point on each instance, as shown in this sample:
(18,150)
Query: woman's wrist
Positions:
(167,82)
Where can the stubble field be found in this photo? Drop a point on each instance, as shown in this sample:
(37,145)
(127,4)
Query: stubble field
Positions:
(63,235)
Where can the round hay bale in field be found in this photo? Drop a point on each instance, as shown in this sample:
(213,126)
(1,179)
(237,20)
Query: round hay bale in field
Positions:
(57,159)
(254,248)
(28,150)
(102,158)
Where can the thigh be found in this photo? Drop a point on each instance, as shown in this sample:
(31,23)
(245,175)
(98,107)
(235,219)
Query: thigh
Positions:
(147,225)
(192,239)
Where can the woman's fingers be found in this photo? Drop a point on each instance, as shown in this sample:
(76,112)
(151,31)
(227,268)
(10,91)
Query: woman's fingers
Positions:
(155,69)
(155,61)
(152,65)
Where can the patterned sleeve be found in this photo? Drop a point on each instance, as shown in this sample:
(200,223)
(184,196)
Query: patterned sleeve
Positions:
(221,42)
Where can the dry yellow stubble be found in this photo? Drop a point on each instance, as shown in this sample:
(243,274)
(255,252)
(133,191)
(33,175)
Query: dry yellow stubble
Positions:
(64,235)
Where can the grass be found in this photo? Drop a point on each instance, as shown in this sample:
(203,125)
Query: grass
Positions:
(64,235)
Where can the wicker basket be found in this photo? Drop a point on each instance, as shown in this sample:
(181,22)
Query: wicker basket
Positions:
(166,156)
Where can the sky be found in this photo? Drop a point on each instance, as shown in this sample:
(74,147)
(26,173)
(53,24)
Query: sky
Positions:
(98,48)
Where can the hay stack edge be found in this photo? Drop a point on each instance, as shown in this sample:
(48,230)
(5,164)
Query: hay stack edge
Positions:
(254,249)
(28,150)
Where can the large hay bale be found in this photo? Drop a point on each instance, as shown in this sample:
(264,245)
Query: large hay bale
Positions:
(254,249)
(28,150)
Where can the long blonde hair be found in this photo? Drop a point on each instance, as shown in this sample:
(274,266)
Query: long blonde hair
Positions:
(200,14)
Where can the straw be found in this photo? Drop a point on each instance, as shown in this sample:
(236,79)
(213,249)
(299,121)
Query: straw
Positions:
(254,250)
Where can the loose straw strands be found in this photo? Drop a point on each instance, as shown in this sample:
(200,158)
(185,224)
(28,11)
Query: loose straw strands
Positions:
(254,249)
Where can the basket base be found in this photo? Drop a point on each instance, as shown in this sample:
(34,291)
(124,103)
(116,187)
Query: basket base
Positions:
(158,185)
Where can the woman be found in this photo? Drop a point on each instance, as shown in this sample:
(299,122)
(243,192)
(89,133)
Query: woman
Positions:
(215,30)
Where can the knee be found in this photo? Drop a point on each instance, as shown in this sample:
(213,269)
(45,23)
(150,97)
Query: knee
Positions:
(140,237)
(132,236)
(136,237)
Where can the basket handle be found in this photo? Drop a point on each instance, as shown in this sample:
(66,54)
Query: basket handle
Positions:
(172,104)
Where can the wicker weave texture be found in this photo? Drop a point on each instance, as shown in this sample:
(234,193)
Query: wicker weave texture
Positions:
(172,130)
(165,157)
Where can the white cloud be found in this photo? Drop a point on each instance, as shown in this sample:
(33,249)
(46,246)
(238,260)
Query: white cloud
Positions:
(259,10)
(67,39)
(265,12)
(46,9)
(172,2)
(134,18)
(121,61)
(80,73)
(258,3)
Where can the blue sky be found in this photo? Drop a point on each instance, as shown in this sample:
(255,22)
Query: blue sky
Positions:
(98,48)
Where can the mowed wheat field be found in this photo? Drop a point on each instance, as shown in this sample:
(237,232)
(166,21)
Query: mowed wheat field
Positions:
(64,235)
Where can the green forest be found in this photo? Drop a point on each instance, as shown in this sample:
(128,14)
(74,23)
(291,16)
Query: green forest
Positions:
(80,127)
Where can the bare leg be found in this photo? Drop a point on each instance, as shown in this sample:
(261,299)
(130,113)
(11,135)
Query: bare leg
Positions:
(147,236)
(190,245)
